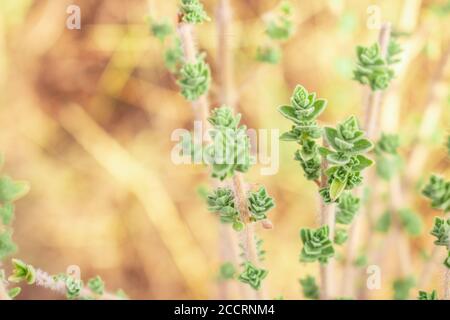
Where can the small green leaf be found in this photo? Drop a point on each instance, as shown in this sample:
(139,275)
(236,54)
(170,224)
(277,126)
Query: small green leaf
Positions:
(289,113)
(336,188)
(289,136)
(22,272)
(7,213)
(12,190)
(364,162)
(330,136)
(14,292)
(362,145)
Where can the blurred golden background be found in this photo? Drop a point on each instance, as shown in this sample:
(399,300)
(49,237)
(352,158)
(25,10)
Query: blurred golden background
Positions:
(87,115)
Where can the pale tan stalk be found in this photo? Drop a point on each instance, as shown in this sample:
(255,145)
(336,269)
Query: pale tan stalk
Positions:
(431,116)
(225,54)
(371,111)
(226,97)
(327,217)
(3,293)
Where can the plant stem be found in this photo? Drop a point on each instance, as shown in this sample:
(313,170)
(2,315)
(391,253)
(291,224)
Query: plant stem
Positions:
(225,54)
(248,234)
(371,112)
(327,216)
(43,279)
(3,293)
(201,105)
(431,114)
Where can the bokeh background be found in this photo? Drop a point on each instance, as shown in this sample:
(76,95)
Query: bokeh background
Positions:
(86,116)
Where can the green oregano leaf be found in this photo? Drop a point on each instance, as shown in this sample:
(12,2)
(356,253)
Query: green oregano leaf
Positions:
(194,79)
(193,12)
(259,203)
(22,272)
(309,288)
(317,245)
(96,285)
(252,275)
(423,295)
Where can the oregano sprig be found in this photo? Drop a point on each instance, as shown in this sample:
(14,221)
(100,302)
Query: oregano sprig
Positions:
(192,11)
(194,79)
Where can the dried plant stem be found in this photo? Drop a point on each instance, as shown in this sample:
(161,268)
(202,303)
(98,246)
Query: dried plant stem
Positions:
(227,97)
(327,216)
(201,105)
(447,284)
(431,114)
(43,279)
(428,268)
(225,54)
(371,111)
(3,293)
(248,234)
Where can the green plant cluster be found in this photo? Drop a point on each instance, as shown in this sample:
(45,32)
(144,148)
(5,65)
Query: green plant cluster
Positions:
(259,203)
(10,191)
(438,191)
(441,231)
(173,56)
(402,287)
(278,27)
(317,245)
(411,222)
(252,275)
(346,156)
(161,30)
(230,148)
(194,79)
(309,288)
(222,201)
(192,11)
(388,161)
(96,285)
(372,69)
(303,112)
(423,295)
(281,26)
(347,208)
(268,54)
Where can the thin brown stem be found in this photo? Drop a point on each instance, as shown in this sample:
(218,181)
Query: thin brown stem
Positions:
(3,293)
(225,54)
(327,217)
(371,111)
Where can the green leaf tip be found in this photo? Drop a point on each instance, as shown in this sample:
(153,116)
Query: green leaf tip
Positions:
(22,272)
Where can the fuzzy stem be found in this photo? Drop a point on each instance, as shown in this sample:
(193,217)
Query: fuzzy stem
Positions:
(431,114)
(371,111)
(225,54)
(447,284)
(327,217)
(3,293)
(248,234)
(43,279)
(201,105)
